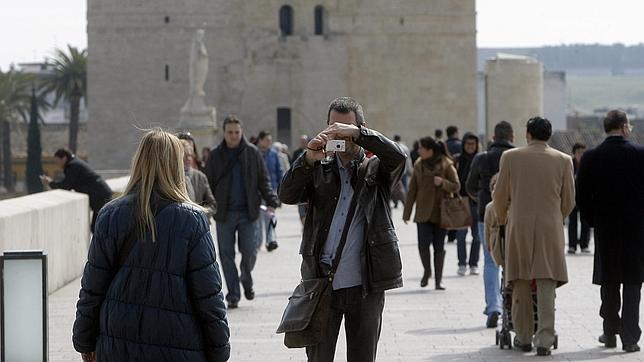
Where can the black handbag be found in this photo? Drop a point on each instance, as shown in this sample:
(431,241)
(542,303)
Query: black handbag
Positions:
(305,318)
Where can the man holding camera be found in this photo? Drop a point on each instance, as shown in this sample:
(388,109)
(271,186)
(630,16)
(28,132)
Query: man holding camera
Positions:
(348,195)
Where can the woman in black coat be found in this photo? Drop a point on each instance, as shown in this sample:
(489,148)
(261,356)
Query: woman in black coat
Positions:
(151,289)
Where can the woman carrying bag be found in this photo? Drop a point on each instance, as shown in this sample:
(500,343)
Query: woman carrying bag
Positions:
(433,179)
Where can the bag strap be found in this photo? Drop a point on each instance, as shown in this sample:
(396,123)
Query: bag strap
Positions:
(360,173)
(343,238)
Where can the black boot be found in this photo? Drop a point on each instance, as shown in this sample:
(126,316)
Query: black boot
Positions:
(439,260)
(426,259)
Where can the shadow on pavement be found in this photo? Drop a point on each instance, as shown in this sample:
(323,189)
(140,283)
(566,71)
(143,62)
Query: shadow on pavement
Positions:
(493,353)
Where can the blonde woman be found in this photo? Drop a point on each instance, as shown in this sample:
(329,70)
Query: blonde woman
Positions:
(151,289)
(434,176)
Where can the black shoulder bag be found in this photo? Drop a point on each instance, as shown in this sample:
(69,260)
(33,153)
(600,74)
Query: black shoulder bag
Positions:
(307,313)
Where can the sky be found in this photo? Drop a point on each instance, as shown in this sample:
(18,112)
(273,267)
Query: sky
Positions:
(31,29)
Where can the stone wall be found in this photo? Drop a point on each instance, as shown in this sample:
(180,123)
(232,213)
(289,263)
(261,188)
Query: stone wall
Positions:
(412,63)
(54,221)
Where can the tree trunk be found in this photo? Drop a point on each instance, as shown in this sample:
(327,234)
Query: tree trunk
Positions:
(73,121)
(6,156)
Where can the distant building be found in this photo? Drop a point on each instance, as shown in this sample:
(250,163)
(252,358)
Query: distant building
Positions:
(412,63)
(61,113)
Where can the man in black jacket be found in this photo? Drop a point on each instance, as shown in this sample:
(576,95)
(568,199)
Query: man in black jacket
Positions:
(238,179)
(370,261)
(484,166)
(80,178)
(611,200)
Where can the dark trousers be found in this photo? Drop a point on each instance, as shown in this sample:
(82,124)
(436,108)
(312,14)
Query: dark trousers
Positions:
(362,324)
(237,223)
(628,325)
(96,207)
(430,234)
(475,248)
(573,237)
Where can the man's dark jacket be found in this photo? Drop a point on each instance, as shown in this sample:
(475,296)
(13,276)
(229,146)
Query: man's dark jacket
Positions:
(319,185)
(81,178)
(610,197)
(165,301)
(256,180)
(484,166)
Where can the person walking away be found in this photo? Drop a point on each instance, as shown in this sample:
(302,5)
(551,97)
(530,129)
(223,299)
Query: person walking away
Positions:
(463,163)
(370,260)
(151,288)
(80,177)
(610,200)
(197,182)
(484,166)
(433,179)
(534,194)
(574,238)
(239,181)
(454,146)
(268,220)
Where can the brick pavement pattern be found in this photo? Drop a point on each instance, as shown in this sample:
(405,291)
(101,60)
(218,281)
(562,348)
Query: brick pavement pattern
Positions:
(419,324)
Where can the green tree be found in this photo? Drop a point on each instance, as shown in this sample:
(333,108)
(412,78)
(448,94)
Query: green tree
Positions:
(68,82)
(14,106)
(34,149)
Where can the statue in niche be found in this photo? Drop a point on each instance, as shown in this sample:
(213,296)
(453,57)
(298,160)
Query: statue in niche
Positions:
(198,71)
(198,64)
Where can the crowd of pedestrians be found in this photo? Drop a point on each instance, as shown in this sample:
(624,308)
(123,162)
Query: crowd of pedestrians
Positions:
(152,258)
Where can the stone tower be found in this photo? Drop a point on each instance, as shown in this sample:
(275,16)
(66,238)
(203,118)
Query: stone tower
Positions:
(514,93)
(278,64)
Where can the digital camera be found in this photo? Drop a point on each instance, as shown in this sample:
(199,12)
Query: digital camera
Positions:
(335,146)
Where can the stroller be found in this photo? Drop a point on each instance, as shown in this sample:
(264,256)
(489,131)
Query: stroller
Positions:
(503,336)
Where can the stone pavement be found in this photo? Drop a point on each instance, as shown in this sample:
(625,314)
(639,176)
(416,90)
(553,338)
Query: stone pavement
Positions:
(419,324)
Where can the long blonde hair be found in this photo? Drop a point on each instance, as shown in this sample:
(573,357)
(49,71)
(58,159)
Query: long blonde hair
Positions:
(156,166)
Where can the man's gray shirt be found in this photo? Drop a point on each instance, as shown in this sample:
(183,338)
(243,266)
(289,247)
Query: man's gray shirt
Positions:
(349,271)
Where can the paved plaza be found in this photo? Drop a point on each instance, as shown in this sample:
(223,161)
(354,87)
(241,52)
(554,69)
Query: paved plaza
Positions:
(419,324)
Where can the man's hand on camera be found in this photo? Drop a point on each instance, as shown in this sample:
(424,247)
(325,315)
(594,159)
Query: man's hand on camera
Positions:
(315,148)
(340,131)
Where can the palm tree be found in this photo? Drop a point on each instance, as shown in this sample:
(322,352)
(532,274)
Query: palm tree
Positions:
(15,97)
(68,81)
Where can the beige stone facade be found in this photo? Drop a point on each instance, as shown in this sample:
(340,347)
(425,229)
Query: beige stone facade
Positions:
(411,63)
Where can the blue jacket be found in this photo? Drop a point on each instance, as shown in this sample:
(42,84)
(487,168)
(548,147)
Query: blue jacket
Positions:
(165,302)
(272,161)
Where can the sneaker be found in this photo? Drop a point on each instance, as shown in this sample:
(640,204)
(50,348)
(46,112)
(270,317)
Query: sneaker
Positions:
(461,270)
(271,246)
(585,251)
(233,305)
(474,270)
(572,250)
(492,320)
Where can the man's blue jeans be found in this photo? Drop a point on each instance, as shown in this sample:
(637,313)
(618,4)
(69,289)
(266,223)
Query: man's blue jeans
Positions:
(491,278)
(246,230)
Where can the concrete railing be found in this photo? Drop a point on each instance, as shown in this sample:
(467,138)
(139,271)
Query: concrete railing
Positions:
(56,222)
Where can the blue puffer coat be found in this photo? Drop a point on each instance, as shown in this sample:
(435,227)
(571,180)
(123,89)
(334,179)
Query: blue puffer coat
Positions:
(165,302)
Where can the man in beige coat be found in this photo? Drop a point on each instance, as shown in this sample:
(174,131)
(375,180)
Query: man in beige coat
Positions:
(535,192)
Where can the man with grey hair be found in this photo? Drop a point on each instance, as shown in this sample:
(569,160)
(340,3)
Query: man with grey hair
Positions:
(361,258)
